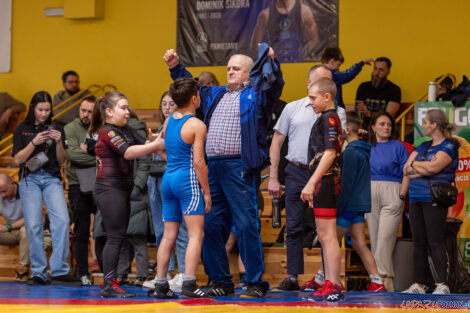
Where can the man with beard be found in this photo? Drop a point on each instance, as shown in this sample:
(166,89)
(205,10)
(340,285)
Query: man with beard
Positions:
(80,197)
(71,83)
(379,94)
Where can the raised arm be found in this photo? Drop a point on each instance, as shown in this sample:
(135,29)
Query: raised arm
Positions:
(177,70)
(343,77)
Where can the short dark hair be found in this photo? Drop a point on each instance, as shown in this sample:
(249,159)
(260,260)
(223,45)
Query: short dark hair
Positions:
(386,60)
(447,83)
(182,90)
(332,53)
(89,99)
(38,97)
(354,121)
(66,74)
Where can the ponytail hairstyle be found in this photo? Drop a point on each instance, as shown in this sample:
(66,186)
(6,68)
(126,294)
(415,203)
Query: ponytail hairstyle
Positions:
(99,111)
(38,97)
(442,121)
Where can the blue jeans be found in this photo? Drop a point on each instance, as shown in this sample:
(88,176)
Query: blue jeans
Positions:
(234,200)
(154,184)
(33,189)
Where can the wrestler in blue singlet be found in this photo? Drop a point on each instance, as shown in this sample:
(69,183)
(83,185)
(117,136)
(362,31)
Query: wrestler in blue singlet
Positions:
(182,194)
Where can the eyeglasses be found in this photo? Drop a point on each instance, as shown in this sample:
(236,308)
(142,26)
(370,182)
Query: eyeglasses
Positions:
(73,82)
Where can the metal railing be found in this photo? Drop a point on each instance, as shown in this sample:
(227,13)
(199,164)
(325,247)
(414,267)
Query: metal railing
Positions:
(401,119)
(91,90)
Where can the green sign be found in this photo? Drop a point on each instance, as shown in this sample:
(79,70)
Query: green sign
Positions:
(460,117)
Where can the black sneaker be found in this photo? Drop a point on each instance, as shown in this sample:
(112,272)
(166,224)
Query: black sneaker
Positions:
(112,290)
(162,291)
(35,280)
(191,290)
(65,280)
(288,284)
(253,291)
(219,290)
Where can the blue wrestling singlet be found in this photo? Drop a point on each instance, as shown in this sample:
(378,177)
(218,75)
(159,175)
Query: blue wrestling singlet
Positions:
(182,194)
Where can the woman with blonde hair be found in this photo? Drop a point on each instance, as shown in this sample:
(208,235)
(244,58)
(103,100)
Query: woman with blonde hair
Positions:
(432,162)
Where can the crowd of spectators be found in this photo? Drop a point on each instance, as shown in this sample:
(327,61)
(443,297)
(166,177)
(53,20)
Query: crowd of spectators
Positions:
(101,207)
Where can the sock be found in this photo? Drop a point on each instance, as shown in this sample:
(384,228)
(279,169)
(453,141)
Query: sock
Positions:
(376,279)
(320,277)
(161,280)
(189,277)
(292,277)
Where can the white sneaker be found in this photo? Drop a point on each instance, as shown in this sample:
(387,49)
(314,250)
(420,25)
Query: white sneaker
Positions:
(85,280)
(150,284)
(176,283)
(415,288)
(441,289)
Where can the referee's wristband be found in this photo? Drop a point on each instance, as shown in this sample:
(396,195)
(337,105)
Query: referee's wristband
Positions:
(9,227)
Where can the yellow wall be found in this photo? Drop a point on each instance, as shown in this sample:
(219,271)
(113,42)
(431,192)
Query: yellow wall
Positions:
(424,38)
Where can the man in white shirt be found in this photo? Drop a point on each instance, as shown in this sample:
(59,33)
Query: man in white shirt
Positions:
(296,122)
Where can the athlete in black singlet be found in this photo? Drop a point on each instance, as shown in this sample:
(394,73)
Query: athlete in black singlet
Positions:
(116,148)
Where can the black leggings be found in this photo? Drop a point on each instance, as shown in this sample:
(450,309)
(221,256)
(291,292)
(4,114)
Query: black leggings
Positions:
(428,225)
(114,205)
(82,207)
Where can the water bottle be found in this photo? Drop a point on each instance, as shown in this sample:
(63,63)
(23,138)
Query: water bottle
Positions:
(432,92)
(276,207)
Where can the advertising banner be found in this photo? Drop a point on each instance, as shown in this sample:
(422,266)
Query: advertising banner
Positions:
(210,31)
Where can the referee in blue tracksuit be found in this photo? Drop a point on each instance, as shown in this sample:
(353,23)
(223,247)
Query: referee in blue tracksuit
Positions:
(236,116)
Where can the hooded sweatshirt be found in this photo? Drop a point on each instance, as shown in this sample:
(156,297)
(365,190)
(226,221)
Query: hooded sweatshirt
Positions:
(355,193)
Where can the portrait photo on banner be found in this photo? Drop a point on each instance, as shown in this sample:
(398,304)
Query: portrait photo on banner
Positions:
(210,31)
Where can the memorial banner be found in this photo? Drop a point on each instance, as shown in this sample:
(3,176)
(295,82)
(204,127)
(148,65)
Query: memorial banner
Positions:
(210,31)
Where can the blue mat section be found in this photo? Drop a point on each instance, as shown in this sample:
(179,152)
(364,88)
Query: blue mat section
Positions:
(12,290)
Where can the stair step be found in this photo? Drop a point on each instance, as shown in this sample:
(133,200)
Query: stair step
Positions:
(7,161)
